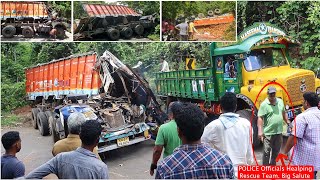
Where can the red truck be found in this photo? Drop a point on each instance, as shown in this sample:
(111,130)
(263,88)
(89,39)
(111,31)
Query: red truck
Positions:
(102,88)
(28,18)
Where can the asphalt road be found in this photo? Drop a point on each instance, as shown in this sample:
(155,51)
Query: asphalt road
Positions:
(128,162)
(131,162)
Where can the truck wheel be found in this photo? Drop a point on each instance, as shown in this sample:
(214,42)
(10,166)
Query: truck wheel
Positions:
(49,117)
(127,32)
(55,133)
(43,123)
(210,13)
(28,32)
(217,11)
(8,31)
(60,33)
(247,115)
(48,114)
(139,29)
(201,15)
(113,34)
(35,112)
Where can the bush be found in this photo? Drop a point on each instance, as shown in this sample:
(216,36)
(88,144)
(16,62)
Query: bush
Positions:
(10,119)
(156,35)
(12,96)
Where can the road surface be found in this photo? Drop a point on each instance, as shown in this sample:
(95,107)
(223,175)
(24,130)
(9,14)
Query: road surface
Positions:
(128,162)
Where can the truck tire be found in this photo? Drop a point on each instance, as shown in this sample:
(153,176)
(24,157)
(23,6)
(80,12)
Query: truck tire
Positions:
(48,114)
(60,33)
(9,31)
(55,133)
(127,32)
(201,15)
(139,29)
(49,117)
(28,32)
(35,112)
(43,123)
(210,13)
(217,11)
(247,115)
(113,34)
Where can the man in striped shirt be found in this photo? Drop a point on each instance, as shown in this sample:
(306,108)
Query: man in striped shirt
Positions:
(307,132)
(193,159)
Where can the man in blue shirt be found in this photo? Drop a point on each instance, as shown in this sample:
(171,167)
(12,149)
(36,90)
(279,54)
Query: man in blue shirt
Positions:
(81,163)
(193,159)
(11,167)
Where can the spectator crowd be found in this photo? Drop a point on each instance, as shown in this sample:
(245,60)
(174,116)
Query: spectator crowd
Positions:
(190,149)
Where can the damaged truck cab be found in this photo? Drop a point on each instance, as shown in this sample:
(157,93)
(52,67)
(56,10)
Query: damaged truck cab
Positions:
(102,88)
(260,56)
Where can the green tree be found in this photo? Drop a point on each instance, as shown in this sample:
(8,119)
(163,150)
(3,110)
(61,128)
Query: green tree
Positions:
(146,7)
(62,7)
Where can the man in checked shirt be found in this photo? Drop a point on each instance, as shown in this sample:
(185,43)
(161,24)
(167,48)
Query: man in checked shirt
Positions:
(307,132)
(194,160)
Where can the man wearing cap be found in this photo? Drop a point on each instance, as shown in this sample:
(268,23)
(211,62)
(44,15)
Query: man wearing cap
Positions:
(271,115)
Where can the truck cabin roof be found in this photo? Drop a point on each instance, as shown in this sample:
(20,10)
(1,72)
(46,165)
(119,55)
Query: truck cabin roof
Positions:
(254,37)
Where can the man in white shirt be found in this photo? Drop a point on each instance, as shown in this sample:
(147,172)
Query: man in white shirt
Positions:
(164,66)
(230,133)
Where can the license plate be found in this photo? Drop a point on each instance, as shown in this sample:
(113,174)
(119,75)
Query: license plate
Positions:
(123,141)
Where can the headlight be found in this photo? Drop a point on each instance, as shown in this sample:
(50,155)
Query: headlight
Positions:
(137,128)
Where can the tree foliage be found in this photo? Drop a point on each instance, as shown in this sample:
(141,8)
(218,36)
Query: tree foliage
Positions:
(62,7)
(144,7)
(173,9)
(300,19)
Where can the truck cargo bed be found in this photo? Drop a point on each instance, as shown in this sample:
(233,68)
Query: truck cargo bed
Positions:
(61,77)
(23,10)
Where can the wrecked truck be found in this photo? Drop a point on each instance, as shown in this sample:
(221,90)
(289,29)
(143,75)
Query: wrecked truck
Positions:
(30,18)
(112,22)
(102,88)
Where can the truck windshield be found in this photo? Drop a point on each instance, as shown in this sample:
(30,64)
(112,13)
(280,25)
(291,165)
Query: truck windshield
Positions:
(264,58)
